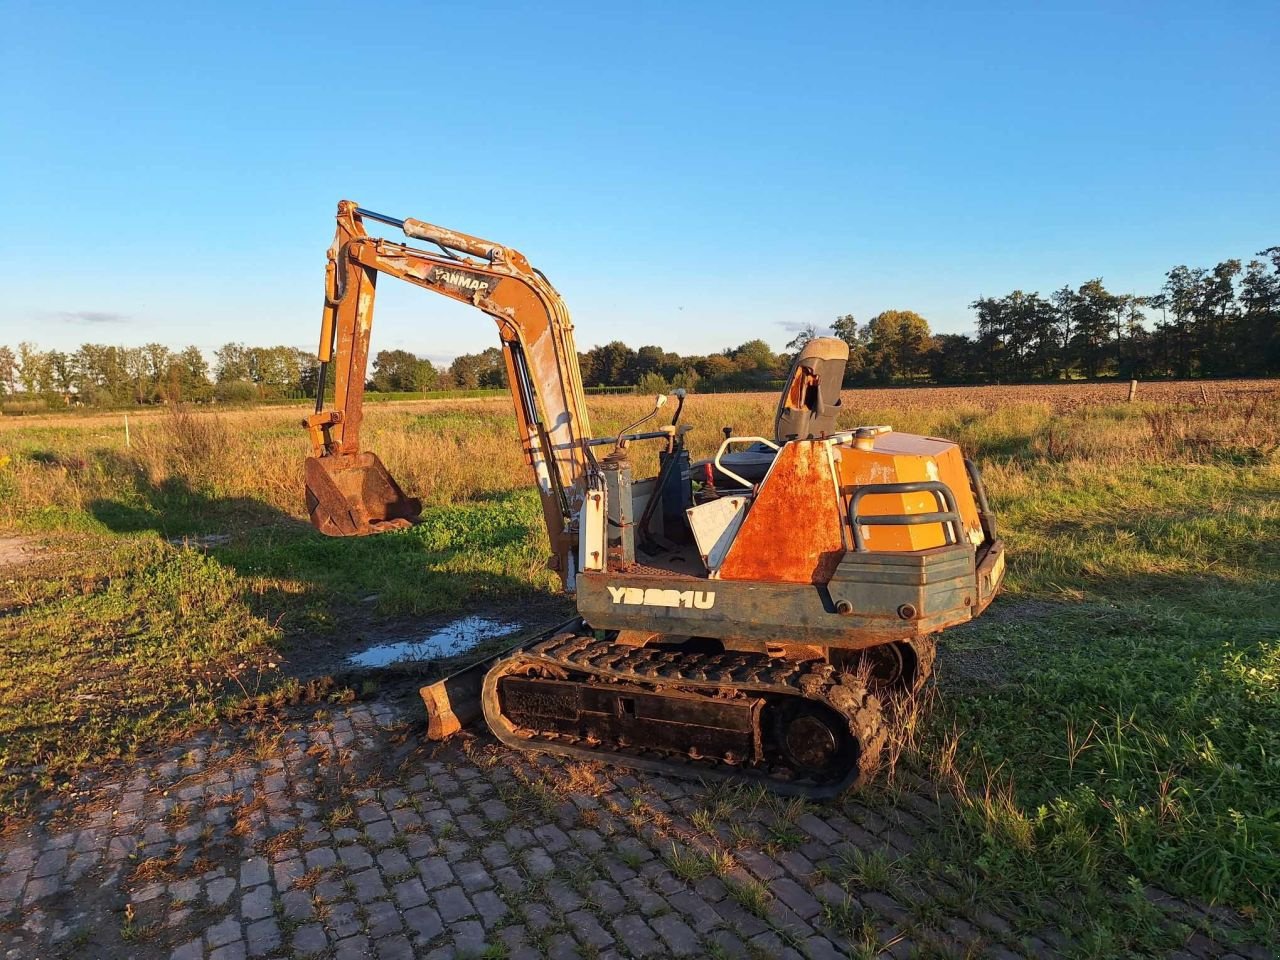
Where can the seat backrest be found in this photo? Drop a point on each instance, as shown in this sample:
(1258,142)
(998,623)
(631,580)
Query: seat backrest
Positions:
(810,397)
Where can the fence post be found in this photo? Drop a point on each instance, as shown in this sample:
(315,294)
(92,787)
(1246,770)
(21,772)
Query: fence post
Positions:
(127,444)
(1133,390)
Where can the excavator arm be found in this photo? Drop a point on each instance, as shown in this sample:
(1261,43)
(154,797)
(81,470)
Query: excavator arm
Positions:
(349,491)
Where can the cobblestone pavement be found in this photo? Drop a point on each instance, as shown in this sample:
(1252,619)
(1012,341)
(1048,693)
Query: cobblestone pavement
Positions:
(340,836)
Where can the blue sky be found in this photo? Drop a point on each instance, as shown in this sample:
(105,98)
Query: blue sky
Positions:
(687,174)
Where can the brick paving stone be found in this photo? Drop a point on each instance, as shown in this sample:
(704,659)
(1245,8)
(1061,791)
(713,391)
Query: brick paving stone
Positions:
(192,950)
(393,862)
(552,838)
(297,905)
(816,828)
(219,890)
(517,838)
(368,885)
(409,893)
(538,862)
(537,916)
(39,888)
(563,947)
(760,864)
(797,864)
(343,920)
(453,904)
(263,937)
(677,934)
(796,897)
(746,924)
(491,907)
(51,862)
(634,934)
(496,855)
(700,913)
(588,930)
(223,932)
(353,948)
(473,876)
(510,879)
(254,871)
(425,923)
(435,872)
(562,897)
(382,919)
(147,893)
(319,858)
(232,951)
(639,891)
(395,948)
(468,936)
(256,904)
(308,940)
(606,897)
(287,871)
(355,857)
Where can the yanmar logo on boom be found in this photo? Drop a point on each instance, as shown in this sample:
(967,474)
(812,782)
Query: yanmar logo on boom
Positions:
(461,280)
(654,597)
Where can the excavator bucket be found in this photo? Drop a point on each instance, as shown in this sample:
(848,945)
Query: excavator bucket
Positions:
(352,495)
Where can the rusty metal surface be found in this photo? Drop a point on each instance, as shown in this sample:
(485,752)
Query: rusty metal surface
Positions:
(793,531)
(536,336)
(353,495)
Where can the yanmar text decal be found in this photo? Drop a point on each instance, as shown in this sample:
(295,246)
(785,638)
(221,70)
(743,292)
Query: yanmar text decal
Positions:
(654,597)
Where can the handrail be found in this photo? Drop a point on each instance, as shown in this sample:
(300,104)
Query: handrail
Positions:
(724,446)
(985,516)
(949,517)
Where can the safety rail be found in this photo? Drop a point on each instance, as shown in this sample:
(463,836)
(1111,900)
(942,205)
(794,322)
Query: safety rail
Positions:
(725,446)
(949,517)
(985,516)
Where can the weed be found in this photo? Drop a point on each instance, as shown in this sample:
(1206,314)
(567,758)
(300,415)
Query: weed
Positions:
(751,895)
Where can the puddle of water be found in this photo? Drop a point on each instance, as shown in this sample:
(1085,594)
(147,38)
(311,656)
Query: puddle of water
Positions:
(448,641)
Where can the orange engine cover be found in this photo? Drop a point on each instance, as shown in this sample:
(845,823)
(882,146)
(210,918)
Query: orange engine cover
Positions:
(797,527)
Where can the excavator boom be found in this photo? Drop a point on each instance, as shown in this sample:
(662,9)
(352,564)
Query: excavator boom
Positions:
(349,491)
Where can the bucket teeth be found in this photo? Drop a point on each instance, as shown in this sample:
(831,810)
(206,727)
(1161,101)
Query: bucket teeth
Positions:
(353,495)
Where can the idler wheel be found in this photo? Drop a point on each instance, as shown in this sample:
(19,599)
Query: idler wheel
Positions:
(813,740)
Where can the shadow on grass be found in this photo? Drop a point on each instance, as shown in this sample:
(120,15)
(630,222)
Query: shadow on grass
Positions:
(327,595)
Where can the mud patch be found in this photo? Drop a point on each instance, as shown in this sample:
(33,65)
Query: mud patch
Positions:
(18,550)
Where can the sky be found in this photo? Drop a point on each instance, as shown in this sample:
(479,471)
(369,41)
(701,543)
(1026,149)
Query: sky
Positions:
(691,175)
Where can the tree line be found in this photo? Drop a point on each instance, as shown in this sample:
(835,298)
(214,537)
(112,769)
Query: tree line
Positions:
(1202,322)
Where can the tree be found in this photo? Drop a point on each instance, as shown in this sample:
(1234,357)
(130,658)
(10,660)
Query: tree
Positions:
(1095,308)
(797,343)
(608,365)
(8,371)
(898,343)
(477,370)
(188,376)
(32,368)
(400,370)
(232,363)
(847,329)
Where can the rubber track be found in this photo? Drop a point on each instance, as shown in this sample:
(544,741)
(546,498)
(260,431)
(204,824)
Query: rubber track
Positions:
(709,673)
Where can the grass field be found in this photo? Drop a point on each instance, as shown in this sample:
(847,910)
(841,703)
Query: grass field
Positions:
(1112,724)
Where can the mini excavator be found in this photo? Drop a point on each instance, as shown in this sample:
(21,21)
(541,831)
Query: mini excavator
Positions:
(750,616)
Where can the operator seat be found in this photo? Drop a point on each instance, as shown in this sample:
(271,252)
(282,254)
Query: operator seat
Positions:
(807,408)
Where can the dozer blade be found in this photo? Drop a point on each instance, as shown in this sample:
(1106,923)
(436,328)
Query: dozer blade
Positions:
(352,495)
(454,702)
